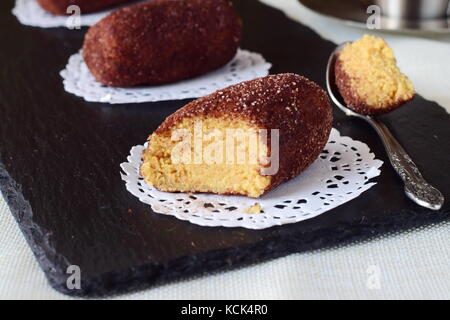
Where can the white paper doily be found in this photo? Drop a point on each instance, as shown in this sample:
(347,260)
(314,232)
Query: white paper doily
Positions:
(245,66)
(340,174)
(30,13)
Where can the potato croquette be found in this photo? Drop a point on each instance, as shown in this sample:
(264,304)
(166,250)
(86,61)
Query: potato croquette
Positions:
(162,41)
(296,106)
(368,78)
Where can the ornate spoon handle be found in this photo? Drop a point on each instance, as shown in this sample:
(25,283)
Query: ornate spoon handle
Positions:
(416,188)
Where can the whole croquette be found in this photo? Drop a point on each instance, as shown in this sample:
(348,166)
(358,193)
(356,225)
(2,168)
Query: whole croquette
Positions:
(59,7)
(194,149)
(162,41)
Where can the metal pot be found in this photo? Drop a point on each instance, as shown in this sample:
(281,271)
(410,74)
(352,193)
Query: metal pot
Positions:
(413,9)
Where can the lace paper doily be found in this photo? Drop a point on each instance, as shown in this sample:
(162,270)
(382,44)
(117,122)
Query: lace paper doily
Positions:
(340,174)
(30,13)
(245,66)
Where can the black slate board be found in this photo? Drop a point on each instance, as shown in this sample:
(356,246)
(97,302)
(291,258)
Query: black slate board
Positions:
(60,167)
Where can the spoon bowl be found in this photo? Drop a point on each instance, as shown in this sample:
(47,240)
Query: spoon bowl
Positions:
(332,89)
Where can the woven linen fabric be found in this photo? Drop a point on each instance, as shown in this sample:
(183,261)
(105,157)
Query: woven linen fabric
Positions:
(408,265)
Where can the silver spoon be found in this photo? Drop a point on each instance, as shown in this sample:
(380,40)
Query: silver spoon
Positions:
(416,188)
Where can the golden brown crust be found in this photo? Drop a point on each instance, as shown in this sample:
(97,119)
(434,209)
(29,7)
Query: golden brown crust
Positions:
(353,100)
(162,41)
(296,106)
(59,7)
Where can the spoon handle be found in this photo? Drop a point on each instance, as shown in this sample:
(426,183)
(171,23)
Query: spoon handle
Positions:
(416,188)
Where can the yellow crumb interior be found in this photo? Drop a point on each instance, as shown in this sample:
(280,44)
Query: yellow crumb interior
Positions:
(254,209)
(174,161)
(374,74)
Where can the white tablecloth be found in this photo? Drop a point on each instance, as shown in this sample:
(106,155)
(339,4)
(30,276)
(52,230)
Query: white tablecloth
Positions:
(408,265)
